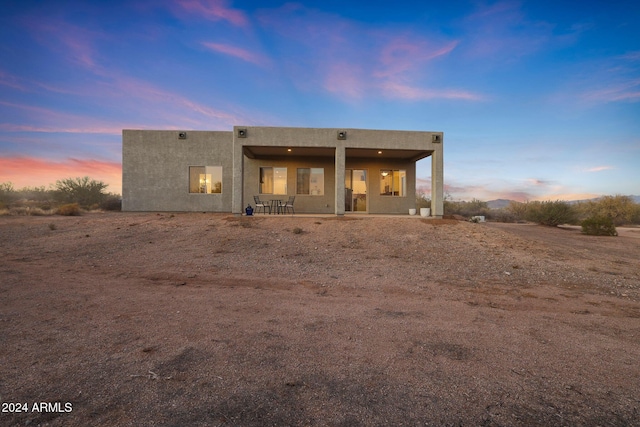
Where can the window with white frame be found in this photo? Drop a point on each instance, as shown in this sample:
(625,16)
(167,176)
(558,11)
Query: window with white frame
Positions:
(393,182)
(310,181)
(273,180)
(205,179)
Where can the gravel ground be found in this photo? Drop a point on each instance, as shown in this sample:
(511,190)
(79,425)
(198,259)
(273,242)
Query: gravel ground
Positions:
(129,319)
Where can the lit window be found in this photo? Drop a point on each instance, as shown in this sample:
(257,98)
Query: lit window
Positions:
(310,181)
(393,182)
(205,179)
(273,180)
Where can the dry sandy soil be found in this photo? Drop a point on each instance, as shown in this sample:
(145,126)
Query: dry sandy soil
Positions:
(123,319)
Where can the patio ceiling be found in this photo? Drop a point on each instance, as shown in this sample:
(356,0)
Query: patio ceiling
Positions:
(266,152)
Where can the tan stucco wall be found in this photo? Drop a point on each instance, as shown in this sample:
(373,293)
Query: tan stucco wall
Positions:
(355,138)
(303,203)
(155,170)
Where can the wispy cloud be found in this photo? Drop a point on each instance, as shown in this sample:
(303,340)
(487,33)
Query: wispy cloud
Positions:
(502,31)
(35,171)
(72,42)
(39,119)
(600,168)
(237,52)
(616,91)
(613,79)
(402,91)
(214,10)
(355,61)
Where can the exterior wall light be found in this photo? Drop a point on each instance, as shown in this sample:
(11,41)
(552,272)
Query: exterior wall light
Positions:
(242,133)
(342,134)
(182,135)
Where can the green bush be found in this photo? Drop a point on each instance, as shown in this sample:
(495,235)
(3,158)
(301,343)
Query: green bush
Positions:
(71,209)
(551,213)
(112,202)
(422,201)
(621,209)
(599,226)
(467,209)
(83,191)
(503,215)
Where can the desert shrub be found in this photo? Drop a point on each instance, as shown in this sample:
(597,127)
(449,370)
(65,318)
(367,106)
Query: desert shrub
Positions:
(112,202)
(599,226)
(550,213)
(518,210)
(7,194)
(71,209)
(297,230)
(19,210)
(621,209)
(467,209)
(52,227)
(503,215)
(83,191)
(422,201)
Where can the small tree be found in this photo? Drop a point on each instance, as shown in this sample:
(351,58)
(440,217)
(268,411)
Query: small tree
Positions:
(550,213)
(599,226)
(7,194)
(621,209)
(84,191)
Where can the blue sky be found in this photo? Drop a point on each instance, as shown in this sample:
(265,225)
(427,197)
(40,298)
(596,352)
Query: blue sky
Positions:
(537,100)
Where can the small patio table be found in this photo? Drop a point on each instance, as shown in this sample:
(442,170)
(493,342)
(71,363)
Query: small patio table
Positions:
(275,205)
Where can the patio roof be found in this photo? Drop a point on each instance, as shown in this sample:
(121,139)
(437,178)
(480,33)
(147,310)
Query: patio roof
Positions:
(269,152)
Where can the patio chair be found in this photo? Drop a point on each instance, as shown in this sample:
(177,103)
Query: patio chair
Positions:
(285,207)
(261,205)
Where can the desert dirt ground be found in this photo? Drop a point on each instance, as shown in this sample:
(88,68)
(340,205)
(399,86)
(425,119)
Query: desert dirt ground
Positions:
(141,319)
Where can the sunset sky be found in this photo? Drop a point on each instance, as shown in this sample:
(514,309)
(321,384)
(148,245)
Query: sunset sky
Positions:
(537,99)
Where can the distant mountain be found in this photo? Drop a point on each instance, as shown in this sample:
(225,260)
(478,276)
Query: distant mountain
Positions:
(498,203)
(503,203)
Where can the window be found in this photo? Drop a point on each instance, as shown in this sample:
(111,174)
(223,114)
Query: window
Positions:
(273,180)
(393,182)
(205,179)
(310,181)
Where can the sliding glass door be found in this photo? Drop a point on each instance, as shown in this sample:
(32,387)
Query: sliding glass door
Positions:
(355,183)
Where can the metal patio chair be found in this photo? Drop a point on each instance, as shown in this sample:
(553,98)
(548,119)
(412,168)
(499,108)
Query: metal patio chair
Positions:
(288,205)
(261,205)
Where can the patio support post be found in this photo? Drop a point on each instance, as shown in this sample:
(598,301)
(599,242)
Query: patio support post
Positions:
(340,191)
(238,176)
(437,180)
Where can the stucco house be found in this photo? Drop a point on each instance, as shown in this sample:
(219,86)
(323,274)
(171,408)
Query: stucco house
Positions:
(329,171)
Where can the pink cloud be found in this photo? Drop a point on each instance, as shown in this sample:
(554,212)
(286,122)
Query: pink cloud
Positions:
(600,168)
(237,52)
(623,91)
(73,42)
(353,61)
(401,55)
(214,10)
(402,91)
(47,120)
(36,172)
(501,30)
(346,79)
